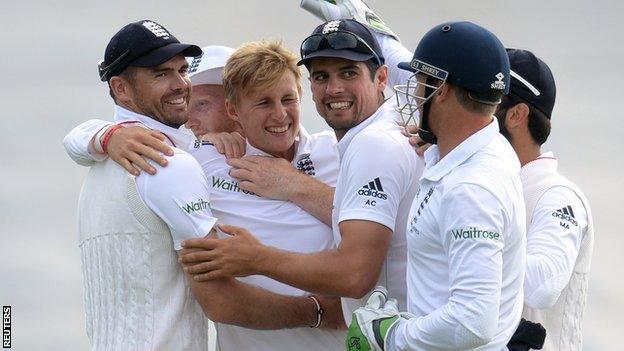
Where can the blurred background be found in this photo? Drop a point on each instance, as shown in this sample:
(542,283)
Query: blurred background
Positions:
(49,83)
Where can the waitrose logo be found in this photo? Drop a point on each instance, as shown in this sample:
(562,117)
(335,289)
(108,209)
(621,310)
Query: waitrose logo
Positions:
(196,206)
(229,185)
(474,233)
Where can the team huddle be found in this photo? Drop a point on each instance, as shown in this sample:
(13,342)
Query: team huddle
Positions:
(427,220)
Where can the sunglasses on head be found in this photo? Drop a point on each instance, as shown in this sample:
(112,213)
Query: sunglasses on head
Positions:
(337,40)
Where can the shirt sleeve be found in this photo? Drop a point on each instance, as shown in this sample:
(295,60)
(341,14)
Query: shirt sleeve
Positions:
(394,52)
(472,228)
(180,196)
(78,142)
(374,183)
(553,243)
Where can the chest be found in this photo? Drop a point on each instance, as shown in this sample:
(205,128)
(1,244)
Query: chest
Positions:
(423,230)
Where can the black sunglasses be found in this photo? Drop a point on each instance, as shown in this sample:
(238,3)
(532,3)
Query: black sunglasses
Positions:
(105,70)
(337,40)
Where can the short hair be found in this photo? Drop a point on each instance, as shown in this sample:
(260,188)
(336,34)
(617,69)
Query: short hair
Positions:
(373,66)
(474,106)
(258,65)
(128,73)
(538,124)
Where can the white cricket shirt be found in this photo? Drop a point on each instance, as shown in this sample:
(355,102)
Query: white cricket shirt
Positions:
(466,247)
(275,223)
(560,241)
(378,179)
(178,193)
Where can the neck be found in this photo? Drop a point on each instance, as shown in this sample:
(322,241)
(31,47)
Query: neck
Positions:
(458,129)
(288,155)
(526,150)
(340,133)
(132,107)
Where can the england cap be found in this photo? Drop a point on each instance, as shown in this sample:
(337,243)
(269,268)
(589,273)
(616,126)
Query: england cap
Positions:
(207,68)
(143,44)
(532,81)
(346,39)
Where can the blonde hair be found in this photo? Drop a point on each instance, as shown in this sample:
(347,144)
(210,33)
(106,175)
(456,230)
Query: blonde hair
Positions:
(257,66)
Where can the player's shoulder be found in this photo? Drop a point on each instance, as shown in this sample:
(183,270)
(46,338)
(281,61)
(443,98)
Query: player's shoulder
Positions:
(326,137)
(560,194)
(205,152)
(383,138)
(181,167)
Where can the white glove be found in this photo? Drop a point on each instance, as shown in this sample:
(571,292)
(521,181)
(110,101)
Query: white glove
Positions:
(328,10)
(372,323)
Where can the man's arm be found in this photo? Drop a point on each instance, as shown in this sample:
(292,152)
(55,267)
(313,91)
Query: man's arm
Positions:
(276,178)
(131,146)
(230,301)
(78,142)
(553,243)
(351,270)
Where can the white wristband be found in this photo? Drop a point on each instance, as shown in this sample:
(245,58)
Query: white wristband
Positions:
(97,139)
(319,311)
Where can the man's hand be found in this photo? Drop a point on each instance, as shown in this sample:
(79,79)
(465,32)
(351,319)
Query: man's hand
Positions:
(234,256)
(232,145)
(130,147)
(411,132)
(269,177)
(372,323)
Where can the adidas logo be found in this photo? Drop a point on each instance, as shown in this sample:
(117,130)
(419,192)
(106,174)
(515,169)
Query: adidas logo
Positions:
(373,189)
(566,214)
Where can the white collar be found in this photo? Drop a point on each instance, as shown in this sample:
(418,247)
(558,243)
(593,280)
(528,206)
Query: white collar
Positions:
(177,138)
(385,111)
(302,146)
(546,160)
(436,169)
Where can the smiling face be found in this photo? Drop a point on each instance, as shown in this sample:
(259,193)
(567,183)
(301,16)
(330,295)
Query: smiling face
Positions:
(161,92)
(344,93)
(270,116)
(207,111)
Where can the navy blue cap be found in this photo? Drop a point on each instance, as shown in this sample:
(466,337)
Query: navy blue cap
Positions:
(532,80)
(367,47)
(143,44)
(467,55)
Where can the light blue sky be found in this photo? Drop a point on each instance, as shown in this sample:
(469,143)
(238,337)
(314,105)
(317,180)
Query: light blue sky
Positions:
(49,84)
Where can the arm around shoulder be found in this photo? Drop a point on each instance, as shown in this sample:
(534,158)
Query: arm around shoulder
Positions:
(78,142)
(180,196)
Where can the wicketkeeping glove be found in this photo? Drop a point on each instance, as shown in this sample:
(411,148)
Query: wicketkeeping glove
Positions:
(329,10)
(371,323)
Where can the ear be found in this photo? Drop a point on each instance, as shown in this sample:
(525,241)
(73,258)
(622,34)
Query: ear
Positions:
(381,78)
(120,88)
(517,116)
(443,93)
(230,108)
